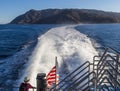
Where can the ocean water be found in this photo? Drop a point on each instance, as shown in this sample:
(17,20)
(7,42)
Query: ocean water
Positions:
(26,50)
(107,35)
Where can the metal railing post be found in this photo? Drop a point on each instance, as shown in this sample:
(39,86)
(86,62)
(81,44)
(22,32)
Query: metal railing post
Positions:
(89,76)
(95,82)
(116,66)
(100,61)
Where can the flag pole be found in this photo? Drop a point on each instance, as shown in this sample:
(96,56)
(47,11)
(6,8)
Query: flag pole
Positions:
(56,74)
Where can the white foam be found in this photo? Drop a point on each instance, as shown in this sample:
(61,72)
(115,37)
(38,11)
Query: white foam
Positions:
(65,43)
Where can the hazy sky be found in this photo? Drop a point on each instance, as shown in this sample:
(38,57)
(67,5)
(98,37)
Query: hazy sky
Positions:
(9,9)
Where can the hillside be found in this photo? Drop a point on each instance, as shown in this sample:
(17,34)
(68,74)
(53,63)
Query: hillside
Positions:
(66,16)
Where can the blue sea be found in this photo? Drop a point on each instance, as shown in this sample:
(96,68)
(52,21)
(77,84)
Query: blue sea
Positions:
(26,50)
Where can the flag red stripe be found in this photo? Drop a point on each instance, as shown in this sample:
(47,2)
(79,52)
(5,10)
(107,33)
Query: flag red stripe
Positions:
(52,77)
(52,70)
(51,74)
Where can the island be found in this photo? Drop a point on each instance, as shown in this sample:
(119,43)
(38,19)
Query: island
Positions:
(66,16)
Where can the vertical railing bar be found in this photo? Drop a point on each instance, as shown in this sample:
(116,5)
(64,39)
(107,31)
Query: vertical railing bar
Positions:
(116,75)
(95,82)
(89,76)
(100,61)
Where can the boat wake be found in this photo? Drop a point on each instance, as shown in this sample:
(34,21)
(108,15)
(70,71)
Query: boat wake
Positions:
(69,45)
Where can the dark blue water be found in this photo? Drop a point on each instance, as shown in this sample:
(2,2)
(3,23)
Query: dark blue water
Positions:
(15,37)
(107,35)
(16,45)
(18,41)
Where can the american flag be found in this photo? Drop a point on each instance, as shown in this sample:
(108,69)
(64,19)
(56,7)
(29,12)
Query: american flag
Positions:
(52,76)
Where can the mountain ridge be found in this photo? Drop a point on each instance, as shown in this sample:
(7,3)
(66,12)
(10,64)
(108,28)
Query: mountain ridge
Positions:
(66,16)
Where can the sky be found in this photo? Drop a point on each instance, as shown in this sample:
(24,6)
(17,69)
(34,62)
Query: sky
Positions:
(9,9)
